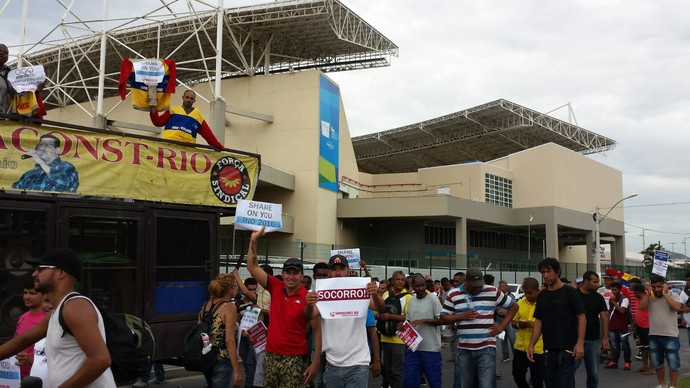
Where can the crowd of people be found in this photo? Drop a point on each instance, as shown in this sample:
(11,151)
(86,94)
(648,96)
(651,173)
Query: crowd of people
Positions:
(551,329)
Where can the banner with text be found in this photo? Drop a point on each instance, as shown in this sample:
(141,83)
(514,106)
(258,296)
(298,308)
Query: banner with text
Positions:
(26,79)
(409,336)
(342,297)
(352,255)
(329,134)
(9,373)
(252,215)
(660,263)
(50,159)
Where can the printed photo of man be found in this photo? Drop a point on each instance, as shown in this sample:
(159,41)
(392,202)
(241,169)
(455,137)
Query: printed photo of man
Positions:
(50,172)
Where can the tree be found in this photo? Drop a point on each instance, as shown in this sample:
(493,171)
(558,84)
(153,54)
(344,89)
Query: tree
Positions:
(649,253)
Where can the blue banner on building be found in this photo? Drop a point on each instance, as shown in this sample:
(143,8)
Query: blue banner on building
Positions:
(329,122)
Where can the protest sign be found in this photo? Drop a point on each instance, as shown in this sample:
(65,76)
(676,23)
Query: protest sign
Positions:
(352,255)
(25,79)
(409,336)
(259,336)
(252,215)
(149,71)
(250,317)
(9,373)
(660,263)
(342,297)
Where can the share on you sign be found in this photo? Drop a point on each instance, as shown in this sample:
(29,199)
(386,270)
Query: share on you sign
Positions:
(352,255)
(343,297)
(252,215)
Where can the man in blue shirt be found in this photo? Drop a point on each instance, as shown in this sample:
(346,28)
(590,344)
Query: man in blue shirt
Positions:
(50,173)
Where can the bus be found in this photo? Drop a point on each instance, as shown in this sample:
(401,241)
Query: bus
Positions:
(142,213)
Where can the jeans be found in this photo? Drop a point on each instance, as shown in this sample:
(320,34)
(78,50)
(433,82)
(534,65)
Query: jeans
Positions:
(356,376)
(157,370)
(478,367)
(661,347)
(248,356)
(393,360)
(615,340)
(560,369)
(416,363)
(591,359)
(508,341)
(520,366)
(457,375)
(221,374)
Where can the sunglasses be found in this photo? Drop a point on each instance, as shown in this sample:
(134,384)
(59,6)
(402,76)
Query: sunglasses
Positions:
(40,268)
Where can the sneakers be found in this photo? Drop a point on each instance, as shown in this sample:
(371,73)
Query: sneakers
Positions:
(611,365)
(505,360)
(638,356)
(140,384)
(626,366)
(161,381)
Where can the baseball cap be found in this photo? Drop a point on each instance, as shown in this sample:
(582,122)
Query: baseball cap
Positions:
(337,259)
(474,277)
(293,263)
(62,258)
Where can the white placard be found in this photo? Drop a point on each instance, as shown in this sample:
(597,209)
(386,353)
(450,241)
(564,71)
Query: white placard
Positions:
(9,373)
(343,297)
(26,79)
(352,255)
(252,215)
(250,317)
(409,336)
(149,71)
(660,263)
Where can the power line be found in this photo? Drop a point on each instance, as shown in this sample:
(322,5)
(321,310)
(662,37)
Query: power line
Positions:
(656,231)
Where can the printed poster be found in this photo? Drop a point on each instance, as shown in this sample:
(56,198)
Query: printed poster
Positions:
(352,255)
(9,373)
(343,297)
(660,263)
(329,134)
(252,215)
(258,334)
(409,336)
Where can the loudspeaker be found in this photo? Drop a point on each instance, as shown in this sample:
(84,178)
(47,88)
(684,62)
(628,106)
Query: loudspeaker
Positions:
(14,260)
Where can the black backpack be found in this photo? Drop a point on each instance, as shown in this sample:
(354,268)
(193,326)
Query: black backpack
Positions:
(129,340)
(194,360)
(391,306)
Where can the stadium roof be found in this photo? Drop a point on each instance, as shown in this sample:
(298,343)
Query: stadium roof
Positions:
(274,37)
(483,133)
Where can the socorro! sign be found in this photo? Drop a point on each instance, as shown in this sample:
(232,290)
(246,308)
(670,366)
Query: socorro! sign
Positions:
(342,297)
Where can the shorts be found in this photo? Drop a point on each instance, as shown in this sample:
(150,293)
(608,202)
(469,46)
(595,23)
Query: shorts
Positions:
(284,371)
(642,337)
(663,347)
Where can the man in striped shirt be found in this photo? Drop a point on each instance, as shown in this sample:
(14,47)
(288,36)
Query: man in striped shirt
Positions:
(472,312)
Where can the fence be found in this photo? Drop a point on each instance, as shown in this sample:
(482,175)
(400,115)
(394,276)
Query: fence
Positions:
(382,261)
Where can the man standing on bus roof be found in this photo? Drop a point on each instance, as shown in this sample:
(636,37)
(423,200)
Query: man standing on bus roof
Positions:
(183,123)
(50,173)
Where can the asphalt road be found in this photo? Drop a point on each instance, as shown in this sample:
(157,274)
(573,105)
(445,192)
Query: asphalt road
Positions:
(607,377)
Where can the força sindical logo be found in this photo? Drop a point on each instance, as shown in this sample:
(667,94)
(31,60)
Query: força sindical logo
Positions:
(230,180)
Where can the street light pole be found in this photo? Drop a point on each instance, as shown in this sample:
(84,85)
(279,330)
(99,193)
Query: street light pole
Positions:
(529,242)
(597,231)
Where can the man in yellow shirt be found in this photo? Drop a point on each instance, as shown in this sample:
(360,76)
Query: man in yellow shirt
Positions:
(523,322)
(392,346)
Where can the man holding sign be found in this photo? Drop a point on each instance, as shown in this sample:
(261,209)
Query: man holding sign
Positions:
(342,305)
(286,349)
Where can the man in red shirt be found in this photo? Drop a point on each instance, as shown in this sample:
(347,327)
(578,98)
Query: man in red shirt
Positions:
(642,330)
(286,349)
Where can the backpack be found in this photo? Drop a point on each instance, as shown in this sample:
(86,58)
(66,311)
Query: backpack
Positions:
(390,306)
(129,340)
(194,359)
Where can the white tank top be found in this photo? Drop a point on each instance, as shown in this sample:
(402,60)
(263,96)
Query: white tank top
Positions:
(65,357)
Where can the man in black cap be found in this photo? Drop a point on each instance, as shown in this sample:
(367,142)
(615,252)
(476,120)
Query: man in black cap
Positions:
(348,361)
(286,349)
(79,358)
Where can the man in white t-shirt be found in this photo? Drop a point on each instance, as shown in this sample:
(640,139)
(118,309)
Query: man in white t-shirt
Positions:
(345,340)
(76,359)
(423,312)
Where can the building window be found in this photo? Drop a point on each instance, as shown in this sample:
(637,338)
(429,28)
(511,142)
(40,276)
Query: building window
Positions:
(499,190)
(439,235)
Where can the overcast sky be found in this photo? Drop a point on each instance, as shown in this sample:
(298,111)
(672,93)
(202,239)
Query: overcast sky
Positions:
(623,65)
